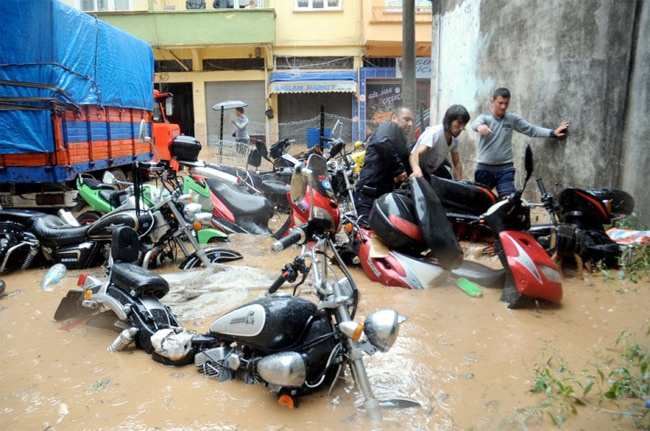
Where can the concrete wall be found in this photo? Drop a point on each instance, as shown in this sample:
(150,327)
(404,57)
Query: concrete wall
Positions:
(583,61)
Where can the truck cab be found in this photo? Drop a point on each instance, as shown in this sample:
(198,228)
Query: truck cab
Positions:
(163,131)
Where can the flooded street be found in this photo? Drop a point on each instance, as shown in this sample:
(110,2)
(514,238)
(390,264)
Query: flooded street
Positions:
(470,362)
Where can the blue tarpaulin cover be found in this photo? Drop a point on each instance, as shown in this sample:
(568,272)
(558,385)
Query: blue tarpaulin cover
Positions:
(53,53)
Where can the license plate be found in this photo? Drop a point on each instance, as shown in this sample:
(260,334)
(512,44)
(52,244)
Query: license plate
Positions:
(6,201)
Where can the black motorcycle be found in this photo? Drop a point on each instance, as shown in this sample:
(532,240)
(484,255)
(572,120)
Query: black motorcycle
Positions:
(577,224)
(30,237)
(287,343)
(128,300)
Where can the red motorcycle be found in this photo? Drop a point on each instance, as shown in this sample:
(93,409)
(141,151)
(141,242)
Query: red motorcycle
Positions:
(321,203)
(410,225)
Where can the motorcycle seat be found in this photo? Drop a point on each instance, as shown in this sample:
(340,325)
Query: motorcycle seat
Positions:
(138,281)
(24,217)
(464,196)
(51,230)
(239,203)
(115,197)
(95,184)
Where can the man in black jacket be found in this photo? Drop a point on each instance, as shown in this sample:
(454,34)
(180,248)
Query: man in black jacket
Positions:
(386,160)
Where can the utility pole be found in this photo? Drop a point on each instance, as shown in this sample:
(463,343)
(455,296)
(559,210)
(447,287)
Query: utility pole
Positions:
(408,56)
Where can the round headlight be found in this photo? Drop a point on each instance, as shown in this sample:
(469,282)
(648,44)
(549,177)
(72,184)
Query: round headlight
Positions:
(190,211)
(381,327)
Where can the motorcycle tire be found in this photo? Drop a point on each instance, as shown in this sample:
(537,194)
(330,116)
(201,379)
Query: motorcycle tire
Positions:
(88,217)
(215,255)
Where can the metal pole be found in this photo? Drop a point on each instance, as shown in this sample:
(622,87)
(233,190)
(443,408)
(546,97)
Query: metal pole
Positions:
(409,98)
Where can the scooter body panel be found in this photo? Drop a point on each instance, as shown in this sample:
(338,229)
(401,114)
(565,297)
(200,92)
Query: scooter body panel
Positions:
(534,272)
(400,270)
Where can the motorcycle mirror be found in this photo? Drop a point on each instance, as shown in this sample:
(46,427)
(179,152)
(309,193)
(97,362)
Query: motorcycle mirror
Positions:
(254,158)
(261,147)
(336,148)
(143,132)
(528,162)
(108,178)
(298,184)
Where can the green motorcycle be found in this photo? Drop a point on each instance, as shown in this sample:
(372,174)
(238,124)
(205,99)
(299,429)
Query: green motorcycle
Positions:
(111,194)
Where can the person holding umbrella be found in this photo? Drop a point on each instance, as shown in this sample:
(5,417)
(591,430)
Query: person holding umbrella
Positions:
(240,121)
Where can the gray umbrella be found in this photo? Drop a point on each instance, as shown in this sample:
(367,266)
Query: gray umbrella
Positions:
(222,106)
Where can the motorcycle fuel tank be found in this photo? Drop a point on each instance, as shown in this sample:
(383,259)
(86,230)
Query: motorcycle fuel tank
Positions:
(103,228)
(271,323)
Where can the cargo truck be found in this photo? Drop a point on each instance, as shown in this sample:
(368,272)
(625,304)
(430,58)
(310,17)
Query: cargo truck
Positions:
(73,92)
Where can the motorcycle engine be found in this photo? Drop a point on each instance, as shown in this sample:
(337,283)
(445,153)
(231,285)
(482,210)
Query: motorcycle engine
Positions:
(160,227)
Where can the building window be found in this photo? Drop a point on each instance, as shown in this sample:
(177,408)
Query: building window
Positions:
(99,5)
(319,4)
(421,6)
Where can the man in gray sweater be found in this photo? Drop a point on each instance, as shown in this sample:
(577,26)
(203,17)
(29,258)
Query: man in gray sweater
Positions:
(495,163)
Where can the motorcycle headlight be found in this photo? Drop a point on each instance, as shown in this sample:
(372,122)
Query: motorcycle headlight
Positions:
(190,211)
(185,198)
(204,219)
(382,327)
(322,213)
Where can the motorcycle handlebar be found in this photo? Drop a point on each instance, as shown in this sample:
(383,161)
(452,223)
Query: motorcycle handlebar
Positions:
(297,235)
(277,283)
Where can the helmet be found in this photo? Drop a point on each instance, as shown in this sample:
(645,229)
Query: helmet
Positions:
(393,220)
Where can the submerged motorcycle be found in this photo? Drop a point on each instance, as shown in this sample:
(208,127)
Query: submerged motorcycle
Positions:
(287,343)
(128,300)
(235,207)
(171,223)
(577,224)
(273,184)
(408,229)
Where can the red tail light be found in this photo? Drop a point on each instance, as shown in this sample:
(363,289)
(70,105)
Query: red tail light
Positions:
(82,280)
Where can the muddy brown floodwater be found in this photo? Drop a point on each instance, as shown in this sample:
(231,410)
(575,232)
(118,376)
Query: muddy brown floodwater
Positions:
(470,362)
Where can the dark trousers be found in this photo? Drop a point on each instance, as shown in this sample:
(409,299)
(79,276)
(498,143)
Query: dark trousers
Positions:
(503,180)
(363,204)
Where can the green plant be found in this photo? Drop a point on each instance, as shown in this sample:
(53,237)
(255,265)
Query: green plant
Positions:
(560,389)
(634,263)
(633,221)
(630,379)
(625,377)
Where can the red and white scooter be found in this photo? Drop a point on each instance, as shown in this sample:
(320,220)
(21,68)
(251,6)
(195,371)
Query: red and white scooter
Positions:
(410,225)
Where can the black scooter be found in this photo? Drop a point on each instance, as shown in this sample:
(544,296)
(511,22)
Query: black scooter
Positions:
(577,224)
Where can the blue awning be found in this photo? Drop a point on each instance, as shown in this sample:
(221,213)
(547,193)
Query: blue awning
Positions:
(313,82)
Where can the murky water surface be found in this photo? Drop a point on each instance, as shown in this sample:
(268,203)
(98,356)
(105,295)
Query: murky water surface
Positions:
(470,362)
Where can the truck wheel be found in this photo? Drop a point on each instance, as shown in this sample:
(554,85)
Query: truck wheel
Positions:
(88,217)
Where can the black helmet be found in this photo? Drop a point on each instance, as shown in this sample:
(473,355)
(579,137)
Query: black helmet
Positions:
(393,220)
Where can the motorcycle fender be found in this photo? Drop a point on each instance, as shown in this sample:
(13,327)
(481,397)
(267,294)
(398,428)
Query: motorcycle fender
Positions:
(534,272)
(205,235)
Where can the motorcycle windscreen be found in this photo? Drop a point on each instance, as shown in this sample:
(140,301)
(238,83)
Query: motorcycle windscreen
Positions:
(321,183)
(436,229)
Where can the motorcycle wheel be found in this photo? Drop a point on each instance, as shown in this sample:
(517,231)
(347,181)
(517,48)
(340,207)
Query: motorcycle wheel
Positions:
(283,229)
(215,254)
(88,217)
